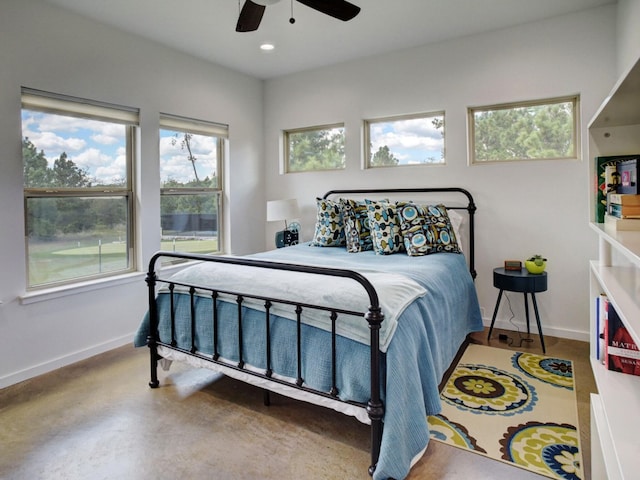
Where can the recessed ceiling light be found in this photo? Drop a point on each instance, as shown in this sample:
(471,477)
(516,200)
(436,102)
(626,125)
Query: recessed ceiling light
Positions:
(267,46)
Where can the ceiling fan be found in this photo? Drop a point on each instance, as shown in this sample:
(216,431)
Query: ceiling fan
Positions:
(252,11)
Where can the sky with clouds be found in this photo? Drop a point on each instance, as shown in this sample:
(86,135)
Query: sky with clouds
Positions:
(99,148)
(174,160)
(411,141)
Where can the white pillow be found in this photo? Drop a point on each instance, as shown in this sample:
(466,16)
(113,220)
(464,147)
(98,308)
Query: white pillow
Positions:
(456,222)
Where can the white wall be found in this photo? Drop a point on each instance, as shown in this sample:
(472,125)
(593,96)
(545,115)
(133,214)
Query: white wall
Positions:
(628,35)
(47,48)
(524,208)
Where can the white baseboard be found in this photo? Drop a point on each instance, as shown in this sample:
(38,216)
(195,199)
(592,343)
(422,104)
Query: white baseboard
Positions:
(550,330)
(64,360)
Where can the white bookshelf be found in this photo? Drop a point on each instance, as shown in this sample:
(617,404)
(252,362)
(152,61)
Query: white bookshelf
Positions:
(615,409)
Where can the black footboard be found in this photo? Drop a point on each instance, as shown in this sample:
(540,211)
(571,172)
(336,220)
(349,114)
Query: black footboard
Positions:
(373,316)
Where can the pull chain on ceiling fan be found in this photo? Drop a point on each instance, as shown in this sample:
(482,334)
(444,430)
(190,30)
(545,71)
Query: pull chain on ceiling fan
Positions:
(252,11)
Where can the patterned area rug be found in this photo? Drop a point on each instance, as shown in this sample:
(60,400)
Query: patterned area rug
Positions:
(514,407)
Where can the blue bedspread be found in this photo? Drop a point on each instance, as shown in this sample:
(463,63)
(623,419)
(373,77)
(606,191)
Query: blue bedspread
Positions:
(395,292)
(428,335)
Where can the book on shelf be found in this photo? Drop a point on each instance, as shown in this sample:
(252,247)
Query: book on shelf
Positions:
(628,173)
(624,199)
(601,312)
(607,180)
(617,224)
(623,211)
(621,352)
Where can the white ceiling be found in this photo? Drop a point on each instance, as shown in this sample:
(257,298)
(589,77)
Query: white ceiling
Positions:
(206,28)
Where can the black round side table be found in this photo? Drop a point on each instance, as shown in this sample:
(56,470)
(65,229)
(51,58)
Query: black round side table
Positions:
(520,281)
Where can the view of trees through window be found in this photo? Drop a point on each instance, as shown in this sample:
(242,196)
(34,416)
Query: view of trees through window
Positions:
(77,197)
(320,148)
(541,130)
(405,140)
(190,191)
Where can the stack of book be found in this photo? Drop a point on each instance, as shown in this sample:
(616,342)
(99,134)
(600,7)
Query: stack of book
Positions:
(623,211)
(615,347)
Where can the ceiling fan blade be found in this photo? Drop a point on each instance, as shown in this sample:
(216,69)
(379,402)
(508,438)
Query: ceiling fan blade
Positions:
(339,9)
(250,17)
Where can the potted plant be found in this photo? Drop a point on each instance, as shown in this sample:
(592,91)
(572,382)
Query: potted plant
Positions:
(535,264)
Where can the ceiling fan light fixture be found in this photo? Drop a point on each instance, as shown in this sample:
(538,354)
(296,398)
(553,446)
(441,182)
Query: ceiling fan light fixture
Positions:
(265,3)
(267,47)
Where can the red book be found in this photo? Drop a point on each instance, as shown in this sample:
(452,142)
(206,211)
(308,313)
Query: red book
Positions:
(622,352)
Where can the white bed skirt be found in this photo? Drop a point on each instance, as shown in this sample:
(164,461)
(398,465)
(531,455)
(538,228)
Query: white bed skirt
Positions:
(352,410)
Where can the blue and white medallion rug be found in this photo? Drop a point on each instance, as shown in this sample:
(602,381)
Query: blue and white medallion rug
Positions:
(515,407)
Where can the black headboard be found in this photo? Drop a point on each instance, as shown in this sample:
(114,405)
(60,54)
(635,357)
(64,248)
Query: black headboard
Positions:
(470,208)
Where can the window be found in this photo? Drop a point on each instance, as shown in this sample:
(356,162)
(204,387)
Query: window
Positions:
(405,140)
(537,130)
(315,148)
(77,159)
(191,158)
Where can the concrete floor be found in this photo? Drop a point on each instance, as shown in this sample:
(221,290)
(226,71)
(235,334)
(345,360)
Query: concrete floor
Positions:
(95,420)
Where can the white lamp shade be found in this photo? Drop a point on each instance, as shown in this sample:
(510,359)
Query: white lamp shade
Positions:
(282,210)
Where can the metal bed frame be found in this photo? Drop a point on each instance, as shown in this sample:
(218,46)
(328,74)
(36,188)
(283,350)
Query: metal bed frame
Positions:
(374,316)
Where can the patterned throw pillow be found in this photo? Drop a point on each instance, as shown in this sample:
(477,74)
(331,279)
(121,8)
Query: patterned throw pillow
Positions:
(356,225)
(329,224)
(386,231)
(427,229)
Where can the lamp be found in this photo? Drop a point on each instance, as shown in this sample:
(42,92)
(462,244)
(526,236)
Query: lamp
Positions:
(278,210)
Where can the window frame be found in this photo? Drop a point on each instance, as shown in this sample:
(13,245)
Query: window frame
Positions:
(576,139)
(317,128)
(176,123)
(68,106)
(368,154)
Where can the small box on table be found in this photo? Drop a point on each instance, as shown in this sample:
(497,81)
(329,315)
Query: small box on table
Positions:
(512,265)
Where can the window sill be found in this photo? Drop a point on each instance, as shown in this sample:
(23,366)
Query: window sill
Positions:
(78,288)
